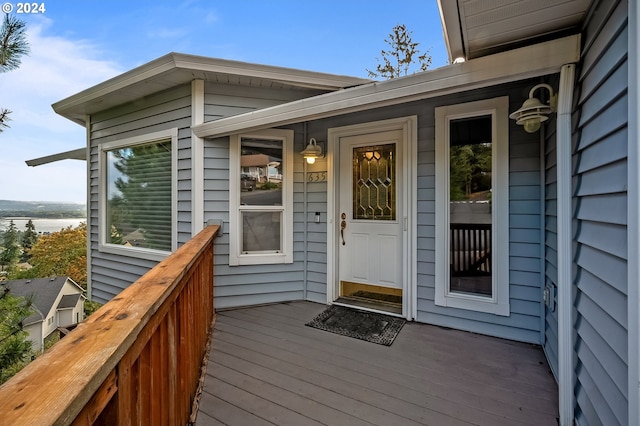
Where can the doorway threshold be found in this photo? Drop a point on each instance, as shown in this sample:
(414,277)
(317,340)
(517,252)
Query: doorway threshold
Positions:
(371,304)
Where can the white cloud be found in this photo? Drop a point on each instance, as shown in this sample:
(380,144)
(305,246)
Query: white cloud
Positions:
(56,68)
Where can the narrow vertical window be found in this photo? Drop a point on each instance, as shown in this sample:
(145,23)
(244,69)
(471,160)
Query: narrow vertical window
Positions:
(472,206)
(470,190)
(261,198)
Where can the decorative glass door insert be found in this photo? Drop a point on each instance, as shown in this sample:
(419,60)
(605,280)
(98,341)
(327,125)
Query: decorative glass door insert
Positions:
(374,182)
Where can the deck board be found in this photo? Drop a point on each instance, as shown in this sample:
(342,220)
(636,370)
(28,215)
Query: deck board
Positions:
(267,367)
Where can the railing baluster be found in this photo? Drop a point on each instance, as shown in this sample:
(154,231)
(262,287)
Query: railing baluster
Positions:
(134,361)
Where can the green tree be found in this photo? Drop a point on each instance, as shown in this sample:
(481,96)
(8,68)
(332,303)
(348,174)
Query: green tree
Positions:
(470,170)
(403,53)
(13,45)
(11,253)
(15,347)
(29,238)
(62,253)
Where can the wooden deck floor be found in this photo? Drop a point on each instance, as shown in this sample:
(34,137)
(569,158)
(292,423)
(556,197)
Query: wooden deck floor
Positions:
(267,367)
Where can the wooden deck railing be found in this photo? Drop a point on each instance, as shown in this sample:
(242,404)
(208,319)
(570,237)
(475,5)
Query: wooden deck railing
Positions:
(470,247)
(135,361)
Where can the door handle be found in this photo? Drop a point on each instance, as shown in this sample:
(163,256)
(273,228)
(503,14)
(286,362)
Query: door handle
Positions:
(343,225)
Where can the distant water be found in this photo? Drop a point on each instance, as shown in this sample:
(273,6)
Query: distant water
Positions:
(42,225)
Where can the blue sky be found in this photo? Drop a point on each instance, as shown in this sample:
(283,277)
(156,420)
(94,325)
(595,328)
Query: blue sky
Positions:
(75,45)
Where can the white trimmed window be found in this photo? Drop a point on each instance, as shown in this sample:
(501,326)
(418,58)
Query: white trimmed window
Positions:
(261,198)
(138,187)
(472,206)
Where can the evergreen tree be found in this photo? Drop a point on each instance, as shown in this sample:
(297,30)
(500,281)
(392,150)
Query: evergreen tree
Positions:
(9,256)
(13,45)
(15,347)
(29,238)
(404,52)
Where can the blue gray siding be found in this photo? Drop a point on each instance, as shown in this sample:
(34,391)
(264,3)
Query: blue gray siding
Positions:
(254,284)
(524,229)
(245,285)
(111,273)
(169,109)
(600,200)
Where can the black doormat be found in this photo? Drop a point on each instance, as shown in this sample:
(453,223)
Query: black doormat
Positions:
(369,326)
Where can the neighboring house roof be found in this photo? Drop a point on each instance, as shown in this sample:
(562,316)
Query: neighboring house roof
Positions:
(475,28)
(254,160)
(43,291)
(69,301)
(174,69)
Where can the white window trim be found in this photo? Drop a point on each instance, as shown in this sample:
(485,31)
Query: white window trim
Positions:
(498,304)
(286,255)
(138,252)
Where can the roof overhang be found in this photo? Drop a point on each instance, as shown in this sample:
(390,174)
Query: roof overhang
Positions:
(474,28)
(518,64)
(75,154)
(175,69)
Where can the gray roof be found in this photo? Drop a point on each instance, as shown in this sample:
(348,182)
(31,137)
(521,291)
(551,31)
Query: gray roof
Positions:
(69,301)
(42,291)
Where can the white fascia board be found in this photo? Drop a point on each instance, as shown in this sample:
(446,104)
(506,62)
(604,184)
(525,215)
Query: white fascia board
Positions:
(518,64)
(451,29)
(296,77)
(75,154)
(136,75)
(190,64)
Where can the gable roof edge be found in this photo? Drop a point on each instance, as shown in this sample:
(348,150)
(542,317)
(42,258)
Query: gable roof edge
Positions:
(518,64)
(183,68)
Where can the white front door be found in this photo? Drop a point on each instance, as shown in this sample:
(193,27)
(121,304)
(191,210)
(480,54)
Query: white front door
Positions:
(370,213)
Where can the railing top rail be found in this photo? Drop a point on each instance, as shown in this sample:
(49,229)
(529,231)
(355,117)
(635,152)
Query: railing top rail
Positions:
(56,386)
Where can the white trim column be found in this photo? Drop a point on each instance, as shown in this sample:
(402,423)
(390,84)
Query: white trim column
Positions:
(87,123)
(197,158)
(565,255)
(633,217)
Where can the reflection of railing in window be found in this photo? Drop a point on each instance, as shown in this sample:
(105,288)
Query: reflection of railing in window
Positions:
(470,249)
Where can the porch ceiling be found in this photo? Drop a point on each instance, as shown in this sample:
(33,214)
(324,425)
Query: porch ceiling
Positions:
(474,28)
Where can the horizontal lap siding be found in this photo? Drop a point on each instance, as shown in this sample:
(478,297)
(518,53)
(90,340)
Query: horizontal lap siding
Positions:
(110,273)
(525,237)
(600,200)
(250,284)
(524,323)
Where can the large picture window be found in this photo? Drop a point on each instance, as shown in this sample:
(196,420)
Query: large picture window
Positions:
(261,191)
(138,182)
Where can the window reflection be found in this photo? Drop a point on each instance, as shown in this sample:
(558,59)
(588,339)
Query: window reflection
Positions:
(261,172)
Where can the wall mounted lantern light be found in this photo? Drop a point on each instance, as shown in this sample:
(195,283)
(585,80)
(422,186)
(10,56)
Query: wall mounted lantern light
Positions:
(312,151)
(533,111)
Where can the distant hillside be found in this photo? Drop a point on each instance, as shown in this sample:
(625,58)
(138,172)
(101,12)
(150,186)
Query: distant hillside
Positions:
(41,209)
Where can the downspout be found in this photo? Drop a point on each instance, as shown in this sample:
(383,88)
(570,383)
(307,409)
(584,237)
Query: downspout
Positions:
(565,255)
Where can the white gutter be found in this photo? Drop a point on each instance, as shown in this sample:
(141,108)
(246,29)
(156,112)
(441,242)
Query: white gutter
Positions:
(565,257)
(513,65)
(633,217)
